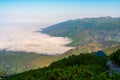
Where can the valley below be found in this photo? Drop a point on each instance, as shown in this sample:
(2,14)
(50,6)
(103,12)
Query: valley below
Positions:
(31,47)
(59,40)
(25,37)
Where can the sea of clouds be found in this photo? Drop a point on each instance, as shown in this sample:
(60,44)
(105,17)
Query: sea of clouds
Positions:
(24,37)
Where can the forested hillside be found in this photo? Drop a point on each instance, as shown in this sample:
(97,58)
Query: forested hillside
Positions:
(80,67)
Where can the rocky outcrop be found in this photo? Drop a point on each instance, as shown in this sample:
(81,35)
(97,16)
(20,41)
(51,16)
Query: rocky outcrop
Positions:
(112,67)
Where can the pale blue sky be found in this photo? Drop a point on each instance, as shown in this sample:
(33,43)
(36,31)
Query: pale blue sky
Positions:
(52,11)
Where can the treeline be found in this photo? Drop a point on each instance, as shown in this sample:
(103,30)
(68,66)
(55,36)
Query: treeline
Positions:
(116,57)
(81,67)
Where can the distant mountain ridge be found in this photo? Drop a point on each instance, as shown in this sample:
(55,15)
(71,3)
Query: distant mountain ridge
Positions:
(87,30)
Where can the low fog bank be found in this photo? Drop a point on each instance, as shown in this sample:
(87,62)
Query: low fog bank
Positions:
(22,37)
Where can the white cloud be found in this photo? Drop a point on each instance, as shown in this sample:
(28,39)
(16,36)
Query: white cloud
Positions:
(25,38)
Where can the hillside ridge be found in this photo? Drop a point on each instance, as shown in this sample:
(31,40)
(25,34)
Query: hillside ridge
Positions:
(87,30)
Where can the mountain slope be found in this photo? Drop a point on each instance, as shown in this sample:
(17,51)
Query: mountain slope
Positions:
(16,62)
(80,67)
(87,30)
(107,46)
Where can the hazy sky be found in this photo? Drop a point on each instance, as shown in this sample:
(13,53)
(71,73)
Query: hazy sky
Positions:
(52,11)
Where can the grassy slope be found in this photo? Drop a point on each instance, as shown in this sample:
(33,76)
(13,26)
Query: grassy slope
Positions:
(16,62)
(109,51)
(108,47)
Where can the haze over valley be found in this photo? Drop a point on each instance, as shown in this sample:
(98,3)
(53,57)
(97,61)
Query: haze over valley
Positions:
(25,37)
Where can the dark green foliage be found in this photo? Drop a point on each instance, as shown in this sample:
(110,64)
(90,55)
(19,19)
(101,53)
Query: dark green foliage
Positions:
(84,59)
(84,66)
(116,57)
(81,67)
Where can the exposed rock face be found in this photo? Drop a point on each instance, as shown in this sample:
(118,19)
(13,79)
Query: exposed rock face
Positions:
(112,67)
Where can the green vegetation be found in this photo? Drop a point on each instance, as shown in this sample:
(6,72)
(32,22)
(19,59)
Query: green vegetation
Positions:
(17,62)
(111,50)
(80,67)
(93,47)
(87,30)
(88,34)
(2,74)
(116,57)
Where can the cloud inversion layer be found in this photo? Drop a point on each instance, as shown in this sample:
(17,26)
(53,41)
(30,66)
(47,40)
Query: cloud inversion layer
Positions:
(25,38)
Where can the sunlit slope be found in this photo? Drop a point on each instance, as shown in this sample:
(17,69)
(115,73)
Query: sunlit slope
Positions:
(80,67)
(107,46)
(16,62)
